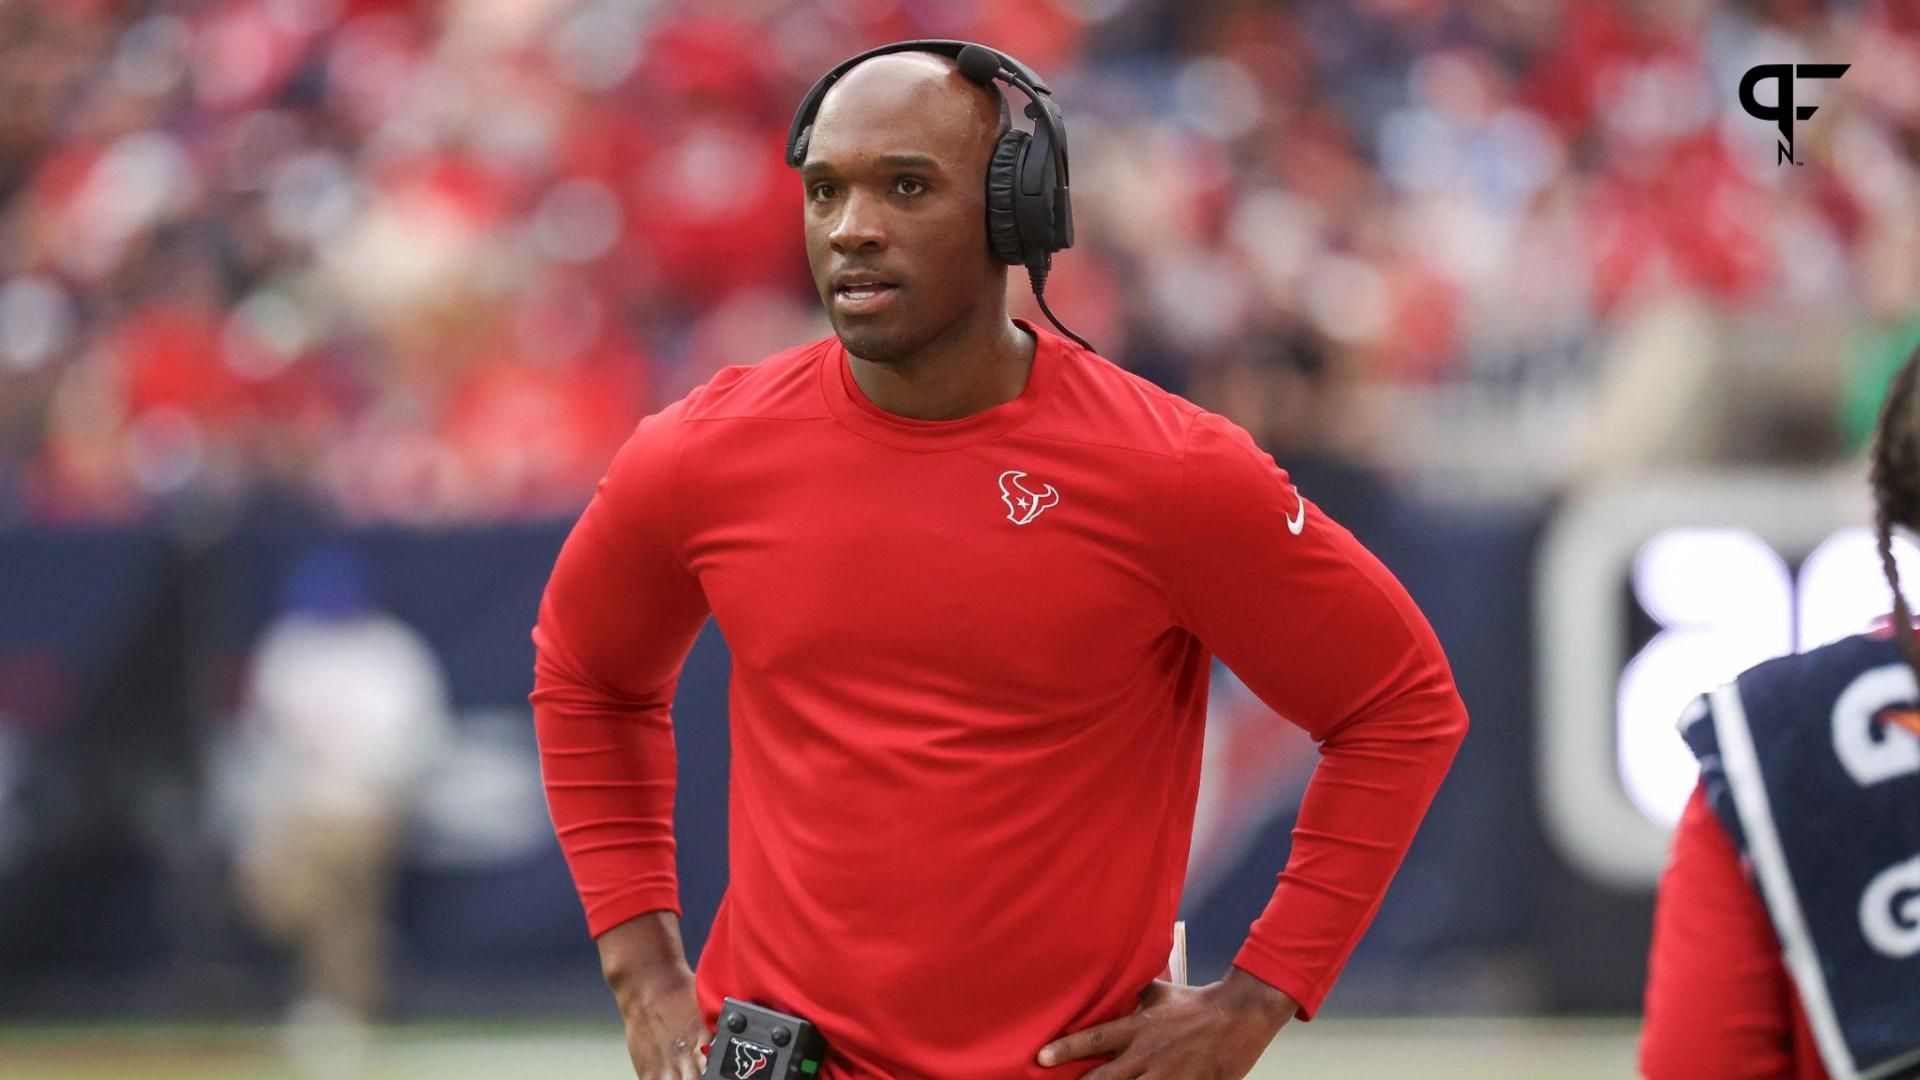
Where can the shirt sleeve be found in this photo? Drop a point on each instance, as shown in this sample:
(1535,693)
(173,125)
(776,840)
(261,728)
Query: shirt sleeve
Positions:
(1316,627)
(618,618)
(1719,1002)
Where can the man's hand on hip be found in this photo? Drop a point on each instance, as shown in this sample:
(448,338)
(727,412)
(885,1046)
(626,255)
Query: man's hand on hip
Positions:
(1196,1033)
(647,970)
(664,1035)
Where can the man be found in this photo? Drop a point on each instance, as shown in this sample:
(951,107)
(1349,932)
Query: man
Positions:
(347,710)
(1785,939)
(971,576)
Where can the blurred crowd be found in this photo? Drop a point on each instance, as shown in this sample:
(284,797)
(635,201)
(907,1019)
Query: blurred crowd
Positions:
(430,260)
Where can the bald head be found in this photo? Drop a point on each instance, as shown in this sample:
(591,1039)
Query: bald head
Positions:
(926,89)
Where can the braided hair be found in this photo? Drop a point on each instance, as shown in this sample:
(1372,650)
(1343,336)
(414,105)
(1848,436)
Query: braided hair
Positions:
(1895,478)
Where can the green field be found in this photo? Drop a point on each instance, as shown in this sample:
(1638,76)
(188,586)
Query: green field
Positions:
(1338,1049)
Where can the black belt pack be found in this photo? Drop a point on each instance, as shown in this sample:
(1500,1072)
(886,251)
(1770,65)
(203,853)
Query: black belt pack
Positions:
(755,1043)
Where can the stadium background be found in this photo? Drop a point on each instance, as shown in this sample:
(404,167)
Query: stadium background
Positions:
(1491,278)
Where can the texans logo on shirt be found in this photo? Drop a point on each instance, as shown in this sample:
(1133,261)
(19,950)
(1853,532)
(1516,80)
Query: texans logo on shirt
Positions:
(749,1059)
(1023,504)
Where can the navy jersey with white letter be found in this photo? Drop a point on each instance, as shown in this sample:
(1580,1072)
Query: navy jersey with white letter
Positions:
(1813,767)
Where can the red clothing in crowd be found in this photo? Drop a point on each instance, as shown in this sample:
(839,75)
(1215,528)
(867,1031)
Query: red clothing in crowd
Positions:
(970,664)
(1719,999)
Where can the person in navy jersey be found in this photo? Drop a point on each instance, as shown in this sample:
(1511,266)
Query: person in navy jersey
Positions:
(972,577)
(1786,935)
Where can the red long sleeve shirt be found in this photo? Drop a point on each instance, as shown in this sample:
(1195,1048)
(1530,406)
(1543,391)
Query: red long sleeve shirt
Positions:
(970,662)
(1719,999)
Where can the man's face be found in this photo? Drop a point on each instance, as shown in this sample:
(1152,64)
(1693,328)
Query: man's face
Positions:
(895,180)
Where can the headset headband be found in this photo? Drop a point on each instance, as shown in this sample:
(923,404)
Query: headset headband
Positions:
(1011,70)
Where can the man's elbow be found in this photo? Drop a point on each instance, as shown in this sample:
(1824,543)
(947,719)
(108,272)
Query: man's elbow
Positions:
(1428,717)
(1437,713)
(550,674)
(1435,724)
(1454,722)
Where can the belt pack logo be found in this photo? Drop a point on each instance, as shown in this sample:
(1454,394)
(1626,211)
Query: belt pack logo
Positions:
(745,1059)
(1782,112)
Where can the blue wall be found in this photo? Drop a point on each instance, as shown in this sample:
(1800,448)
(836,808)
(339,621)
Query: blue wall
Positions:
(122,657)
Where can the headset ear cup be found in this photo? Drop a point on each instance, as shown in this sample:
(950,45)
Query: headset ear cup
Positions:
(1003,224)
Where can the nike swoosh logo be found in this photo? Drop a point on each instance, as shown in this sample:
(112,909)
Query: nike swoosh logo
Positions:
(1298,521)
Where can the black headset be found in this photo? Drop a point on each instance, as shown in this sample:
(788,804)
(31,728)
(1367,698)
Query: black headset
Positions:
(1029,215)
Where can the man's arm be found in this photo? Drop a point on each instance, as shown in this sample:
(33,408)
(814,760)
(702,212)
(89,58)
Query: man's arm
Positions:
(1719,1002)
(1330,640)
(1317,628)
(619,615)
